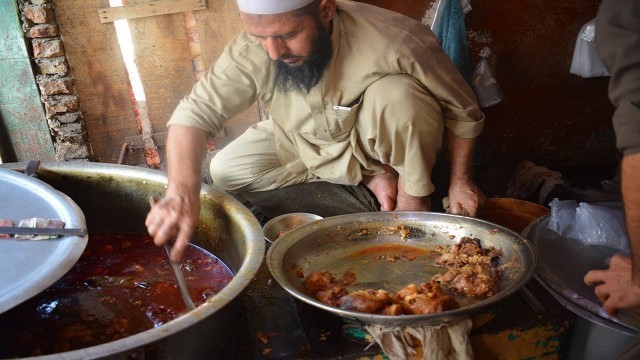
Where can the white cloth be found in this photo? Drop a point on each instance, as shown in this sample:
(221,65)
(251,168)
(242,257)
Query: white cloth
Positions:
(267,7)
(439,342)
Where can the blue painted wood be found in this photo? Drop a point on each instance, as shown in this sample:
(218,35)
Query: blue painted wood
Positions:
(23,126)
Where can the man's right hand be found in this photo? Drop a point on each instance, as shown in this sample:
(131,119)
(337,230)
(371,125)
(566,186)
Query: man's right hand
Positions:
(174,217)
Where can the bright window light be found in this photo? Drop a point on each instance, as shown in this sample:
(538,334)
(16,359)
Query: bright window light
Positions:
(126,48)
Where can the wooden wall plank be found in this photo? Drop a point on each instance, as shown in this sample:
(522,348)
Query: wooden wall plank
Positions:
(163,60)
(152,8)
(99,76)
(164,63)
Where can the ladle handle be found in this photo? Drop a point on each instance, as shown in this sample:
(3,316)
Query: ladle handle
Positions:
(182,284)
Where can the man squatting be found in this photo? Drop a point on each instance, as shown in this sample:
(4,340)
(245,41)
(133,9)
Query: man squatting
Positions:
(356,96)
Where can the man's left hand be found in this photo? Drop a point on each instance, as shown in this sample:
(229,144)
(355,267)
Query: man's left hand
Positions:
(465,197)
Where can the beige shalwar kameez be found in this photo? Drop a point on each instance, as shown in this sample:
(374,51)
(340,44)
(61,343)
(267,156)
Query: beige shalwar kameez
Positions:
(385,98)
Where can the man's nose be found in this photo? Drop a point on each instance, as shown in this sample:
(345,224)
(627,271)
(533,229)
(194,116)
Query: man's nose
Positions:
(275,48)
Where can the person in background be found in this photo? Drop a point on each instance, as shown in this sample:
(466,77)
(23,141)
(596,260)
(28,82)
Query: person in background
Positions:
(354,95)
(618,44)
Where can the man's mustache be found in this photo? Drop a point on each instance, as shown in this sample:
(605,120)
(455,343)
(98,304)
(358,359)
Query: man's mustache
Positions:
(286,57)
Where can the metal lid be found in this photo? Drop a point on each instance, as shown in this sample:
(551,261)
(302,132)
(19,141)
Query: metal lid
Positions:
(28,267)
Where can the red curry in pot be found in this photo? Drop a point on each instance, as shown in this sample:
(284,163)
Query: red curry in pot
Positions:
(121,285)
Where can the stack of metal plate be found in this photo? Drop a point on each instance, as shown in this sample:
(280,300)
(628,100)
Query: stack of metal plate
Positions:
(563,263)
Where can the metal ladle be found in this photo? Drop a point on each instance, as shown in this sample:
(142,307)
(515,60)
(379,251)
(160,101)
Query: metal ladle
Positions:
(182,284)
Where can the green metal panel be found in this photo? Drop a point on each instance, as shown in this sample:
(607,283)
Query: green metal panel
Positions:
(12,43)
(23,123)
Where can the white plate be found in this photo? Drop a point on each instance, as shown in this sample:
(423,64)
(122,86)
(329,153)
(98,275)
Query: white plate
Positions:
(27,267)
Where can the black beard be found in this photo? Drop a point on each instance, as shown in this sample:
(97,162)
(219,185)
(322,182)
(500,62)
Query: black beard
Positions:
(303,77)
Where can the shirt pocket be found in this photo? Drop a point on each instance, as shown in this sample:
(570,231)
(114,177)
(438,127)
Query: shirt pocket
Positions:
(342,118)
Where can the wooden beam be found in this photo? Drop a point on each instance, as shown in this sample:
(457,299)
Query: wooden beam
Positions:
(151,8)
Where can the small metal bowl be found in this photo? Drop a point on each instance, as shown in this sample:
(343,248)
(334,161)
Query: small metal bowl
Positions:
(279,225)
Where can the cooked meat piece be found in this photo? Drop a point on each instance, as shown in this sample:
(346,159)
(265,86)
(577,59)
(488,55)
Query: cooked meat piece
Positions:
(323,280)
(425,304)
(348,278)
(471,280)
(468,251)
(471,270)
(469,246)
(407,292)
(432,288)
(427,299)
(393,310)
(367,301)
(332,296)
(328,289)
(317,281)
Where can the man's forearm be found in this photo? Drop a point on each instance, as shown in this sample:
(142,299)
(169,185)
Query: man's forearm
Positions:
(631,200)
(461,153)
(185,153)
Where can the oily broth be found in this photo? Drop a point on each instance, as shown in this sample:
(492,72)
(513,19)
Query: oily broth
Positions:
(121,285)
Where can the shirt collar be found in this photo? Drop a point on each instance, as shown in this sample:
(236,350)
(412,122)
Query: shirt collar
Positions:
(335,34)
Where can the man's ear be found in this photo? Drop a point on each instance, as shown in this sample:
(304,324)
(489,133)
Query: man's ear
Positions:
(327,9)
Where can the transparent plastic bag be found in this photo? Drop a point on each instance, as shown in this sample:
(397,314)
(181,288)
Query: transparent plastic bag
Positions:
(563,216)
(586,61)
(602,225)
(484,83)
(592,224)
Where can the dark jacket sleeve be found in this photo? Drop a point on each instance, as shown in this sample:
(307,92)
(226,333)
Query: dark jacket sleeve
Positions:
(618,44)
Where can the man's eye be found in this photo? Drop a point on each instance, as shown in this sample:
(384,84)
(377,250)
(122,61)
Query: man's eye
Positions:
(293,35)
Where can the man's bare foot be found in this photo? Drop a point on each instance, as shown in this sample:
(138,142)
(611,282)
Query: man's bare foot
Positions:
(406,202)
(384,187)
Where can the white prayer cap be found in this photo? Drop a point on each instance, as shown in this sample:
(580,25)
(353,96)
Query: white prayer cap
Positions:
(268,7)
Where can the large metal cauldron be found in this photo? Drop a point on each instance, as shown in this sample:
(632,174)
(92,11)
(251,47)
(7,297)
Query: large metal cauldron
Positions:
(114,198)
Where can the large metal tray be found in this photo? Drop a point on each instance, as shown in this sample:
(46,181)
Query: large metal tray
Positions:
(28,267)
(337,244)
